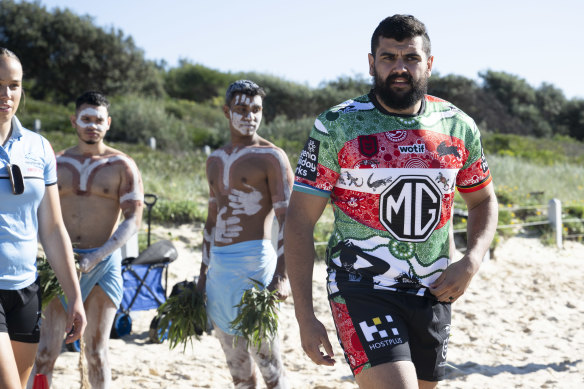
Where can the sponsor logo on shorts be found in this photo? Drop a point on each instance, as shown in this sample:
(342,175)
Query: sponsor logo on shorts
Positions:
(380,334)
(308,161)
(445,345)
(445,342)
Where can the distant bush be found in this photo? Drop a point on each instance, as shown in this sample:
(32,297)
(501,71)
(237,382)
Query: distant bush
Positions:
(53,117)
(287,134)
(176,124)
(537,150)
(177,212)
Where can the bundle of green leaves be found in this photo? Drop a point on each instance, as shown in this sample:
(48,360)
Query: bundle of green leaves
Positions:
(182,315)
(50,287)
(258,315)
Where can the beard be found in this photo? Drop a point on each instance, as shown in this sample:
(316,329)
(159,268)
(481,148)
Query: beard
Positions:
(399,100)
(89,141)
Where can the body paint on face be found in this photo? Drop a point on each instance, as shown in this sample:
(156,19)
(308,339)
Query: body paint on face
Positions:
(244,114)
(92,112)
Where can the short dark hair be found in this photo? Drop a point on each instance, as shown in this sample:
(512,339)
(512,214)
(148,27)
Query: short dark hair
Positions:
(401,27)
(92,98)
(246,87)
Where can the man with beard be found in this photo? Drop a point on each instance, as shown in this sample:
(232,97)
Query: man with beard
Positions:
(96,184)
(393,323)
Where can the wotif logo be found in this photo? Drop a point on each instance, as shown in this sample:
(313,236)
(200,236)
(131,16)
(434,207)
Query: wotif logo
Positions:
(413,149)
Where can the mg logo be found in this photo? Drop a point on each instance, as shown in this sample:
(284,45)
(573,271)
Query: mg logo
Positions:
(410,208)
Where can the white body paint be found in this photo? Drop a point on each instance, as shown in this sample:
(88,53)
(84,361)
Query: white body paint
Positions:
(92,112)
(247,203)
(88,166)
(227,229)
(246,124)
(206,252)
(241,357)
(281,239)
(279,204)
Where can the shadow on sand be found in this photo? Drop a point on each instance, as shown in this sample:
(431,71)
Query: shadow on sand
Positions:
(468,368)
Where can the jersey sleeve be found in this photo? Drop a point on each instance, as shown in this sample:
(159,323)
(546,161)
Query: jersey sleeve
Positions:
(318,168)
(475,173)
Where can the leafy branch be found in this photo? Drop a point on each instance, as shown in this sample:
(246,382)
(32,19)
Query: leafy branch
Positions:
(183,314)
(258,315)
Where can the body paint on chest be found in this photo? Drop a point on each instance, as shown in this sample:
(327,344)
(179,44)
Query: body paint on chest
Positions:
(84,171)
(247,203)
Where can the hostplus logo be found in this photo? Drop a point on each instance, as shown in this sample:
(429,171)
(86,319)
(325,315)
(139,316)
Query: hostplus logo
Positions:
(377,334)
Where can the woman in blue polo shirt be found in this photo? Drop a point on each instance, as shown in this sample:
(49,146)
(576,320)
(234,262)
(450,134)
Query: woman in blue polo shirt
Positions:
(29,207)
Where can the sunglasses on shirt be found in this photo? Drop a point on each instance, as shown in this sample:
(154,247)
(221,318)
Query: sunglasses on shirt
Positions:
(16,179)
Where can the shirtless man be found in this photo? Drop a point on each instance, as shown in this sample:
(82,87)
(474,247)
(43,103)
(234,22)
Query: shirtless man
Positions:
(249,180)
(96,184)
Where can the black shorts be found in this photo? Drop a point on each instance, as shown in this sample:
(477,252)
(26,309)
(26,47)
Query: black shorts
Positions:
(20,313)
(380,327)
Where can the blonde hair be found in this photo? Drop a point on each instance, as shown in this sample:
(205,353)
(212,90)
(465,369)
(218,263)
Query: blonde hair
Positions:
(4,52)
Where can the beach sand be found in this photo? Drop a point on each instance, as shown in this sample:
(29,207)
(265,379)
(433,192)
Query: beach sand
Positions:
(519,325)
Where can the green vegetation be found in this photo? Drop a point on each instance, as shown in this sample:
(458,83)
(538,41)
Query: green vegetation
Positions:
(258,315)
(182,316)
(532,136)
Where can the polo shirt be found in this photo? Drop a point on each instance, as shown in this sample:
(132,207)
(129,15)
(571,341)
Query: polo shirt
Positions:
(19,213)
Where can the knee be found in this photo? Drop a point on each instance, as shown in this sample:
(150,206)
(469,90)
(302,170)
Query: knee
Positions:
(96,358)
(45,360)
(249,383)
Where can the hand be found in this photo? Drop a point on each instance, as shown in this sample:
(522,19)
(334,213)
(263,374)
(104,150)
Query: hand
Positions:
(76,321)
(454,280)
(281,285)
(313,335)
(88,262)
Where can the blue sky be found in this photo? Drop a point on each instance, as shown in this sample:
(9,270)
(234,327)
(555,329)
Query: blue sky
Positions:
(310,41)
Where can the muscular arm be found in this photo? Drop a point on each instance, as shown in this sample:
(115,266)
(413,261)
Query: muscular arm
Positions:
(57,246)
(303,213)
(131,196)
(280,180)
(481,226)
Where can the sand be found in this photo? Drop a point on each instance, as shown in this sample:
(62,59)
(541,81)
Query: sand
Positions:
(520,325)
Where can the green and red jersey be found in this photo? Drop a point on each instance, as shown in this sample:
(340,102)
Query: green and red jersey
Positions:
(391,180)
